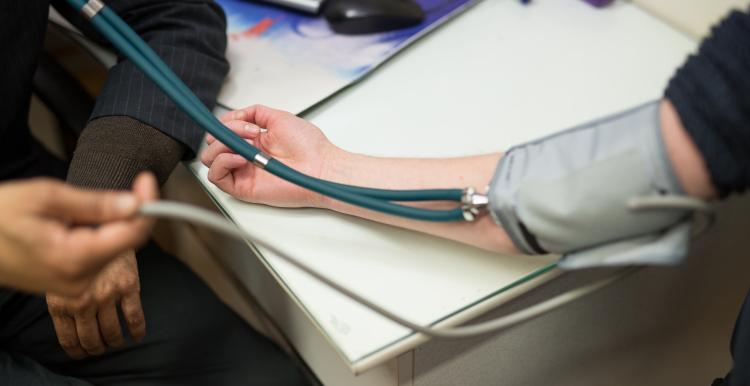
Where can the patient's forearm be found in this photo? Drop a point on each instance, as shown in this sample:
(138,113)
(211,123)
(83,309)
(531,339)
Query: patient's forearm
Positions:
(415,173)
(412,173)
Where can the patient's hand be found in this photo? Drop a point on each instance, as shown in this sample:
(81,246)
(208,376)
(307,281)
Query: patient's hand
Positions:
(287,138)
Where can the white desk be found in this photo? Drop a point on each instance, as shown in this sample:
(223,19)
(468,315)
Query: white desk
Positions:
(500,74)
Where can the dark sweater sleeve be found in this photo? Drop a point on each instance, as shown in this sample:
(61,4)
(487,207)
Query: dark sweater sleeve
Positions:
(113,150)
(711,93)
(190,36)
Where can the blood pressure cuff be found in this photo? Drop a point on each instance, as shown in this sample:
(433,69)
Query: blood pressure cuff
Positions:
(568,194)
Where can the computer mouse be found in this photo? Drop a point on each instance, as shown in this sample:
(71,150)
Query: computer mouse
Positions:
(354,17)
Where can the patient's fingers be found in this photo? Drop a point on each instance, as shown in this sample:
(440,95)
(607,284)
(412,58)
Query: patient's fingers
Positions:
(215,149)
(242,128)
(264,116)
(234,115)
(228,116)
(220,173)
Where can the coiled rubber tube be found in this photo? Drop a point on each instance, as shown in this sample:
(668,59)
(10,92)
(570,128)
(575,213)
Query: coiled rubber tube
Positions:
(130,43)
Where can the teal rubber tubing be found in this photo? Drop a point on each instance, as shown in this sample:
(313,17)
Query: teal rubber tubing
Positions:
(239,145)
(289,174)
(386,194)
(403,195)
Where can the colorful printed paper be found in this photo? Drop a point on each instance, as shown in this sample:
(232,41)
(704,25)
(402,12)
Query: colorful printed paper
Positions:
(291,60)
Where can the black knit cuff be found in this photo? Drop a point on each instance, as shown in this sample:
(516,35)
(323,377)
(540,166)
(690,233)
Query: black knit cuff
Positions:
(711,93)
(113,150)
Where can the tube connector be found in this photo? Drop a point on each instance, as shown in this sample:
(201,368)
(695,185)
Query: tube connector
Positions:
(261,160)
(91,8)
(473,204)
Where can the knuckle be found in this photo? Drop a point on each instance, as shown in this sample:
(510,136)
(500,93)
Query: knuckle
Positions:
(91,346)
(82,305)
(77,287)
(104,297)
(58,304)
(260,109)
(112,335)
(134,318)
(68,343)
(77,309)
(221,158)
(130,284)
(55,307)
(212,175)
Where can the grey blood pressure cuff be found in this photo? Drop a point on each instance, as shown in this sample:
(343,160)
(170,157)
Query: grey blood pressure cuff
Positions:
(568,194)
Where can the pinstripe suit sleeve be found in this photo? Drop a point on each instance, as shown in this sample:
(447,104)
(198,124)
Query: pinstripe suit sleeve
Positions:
(190,36)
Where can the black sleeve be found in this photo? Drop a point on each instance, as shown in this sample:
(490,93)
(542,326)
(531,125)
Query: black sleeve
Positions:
(190,36)
(711,93)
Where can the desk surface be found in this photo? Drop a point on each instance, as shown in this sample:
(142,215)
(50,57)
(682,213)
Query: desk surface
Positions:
(500,74)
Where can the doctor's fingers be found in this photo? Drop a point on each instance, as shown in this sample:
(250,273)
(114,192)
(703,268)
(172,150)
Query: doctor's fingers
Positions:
(80,206)
(221,172)
(244,129)
(212,151)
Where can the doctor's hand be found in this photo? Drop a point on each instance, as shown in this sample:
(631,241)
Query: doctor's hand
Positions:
(87,323)
(284,136)
(46,239)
